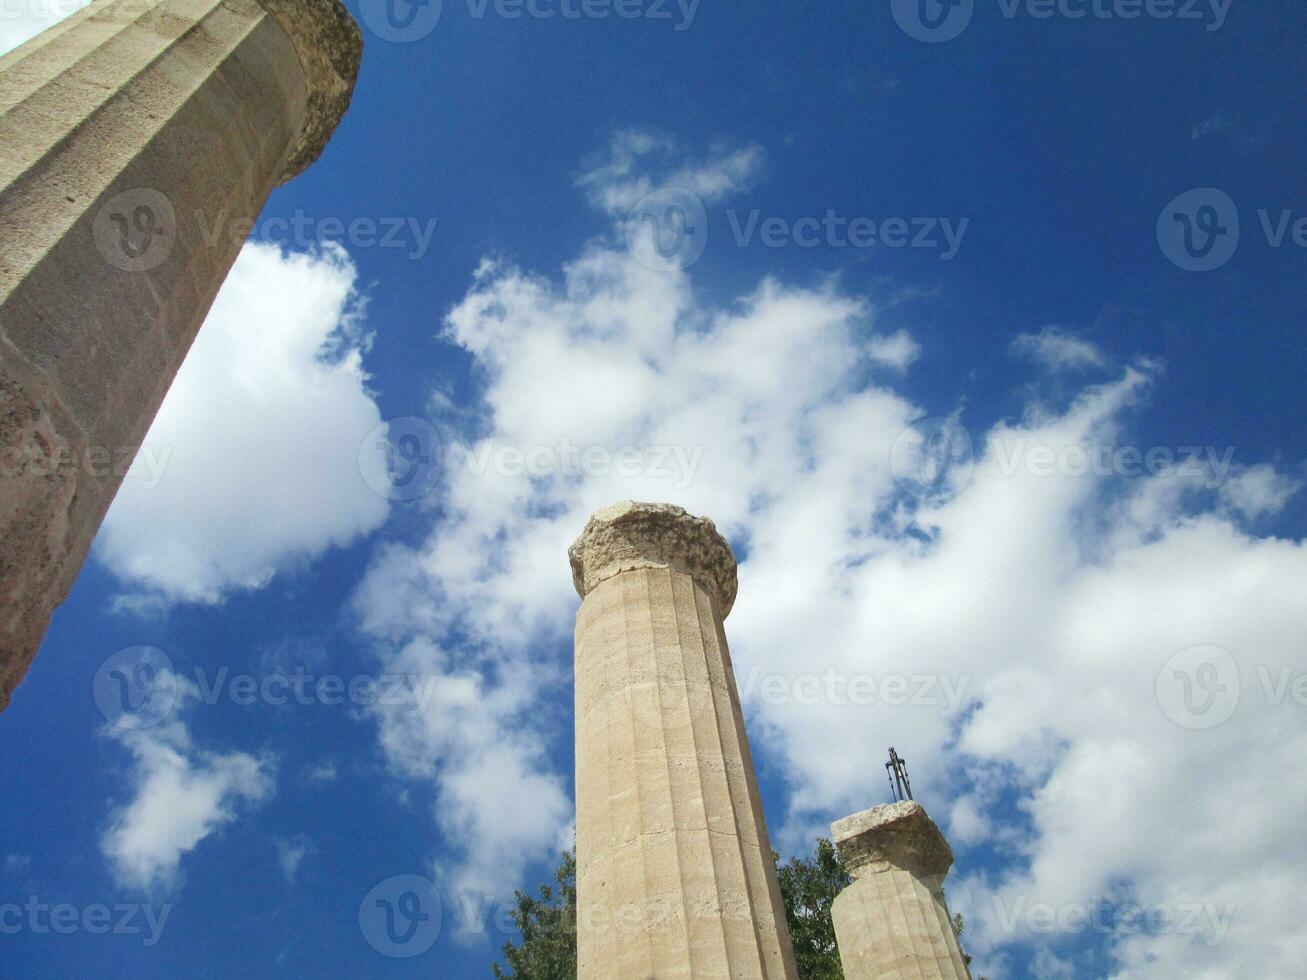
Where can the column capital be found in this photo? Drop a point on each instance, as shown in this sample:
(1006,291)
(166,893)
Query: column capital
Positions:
(632,534)
(899,835)
(330,49)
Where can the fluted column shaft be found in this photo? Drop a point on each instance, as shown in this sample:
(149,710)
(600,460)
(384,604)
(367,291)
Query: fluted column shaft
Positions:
(139,139)
(675,876)
(892,922)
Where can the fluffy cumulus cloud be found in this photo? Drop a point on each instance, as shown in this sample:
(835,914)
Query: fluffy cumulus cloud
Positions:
(1046,620)
(182,794)
(253,462)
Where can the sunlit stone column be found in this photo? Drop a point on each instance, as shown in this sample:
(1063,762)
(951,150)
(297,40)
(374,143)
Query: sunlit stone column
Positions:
(138,141)
(674,869)
(892,922)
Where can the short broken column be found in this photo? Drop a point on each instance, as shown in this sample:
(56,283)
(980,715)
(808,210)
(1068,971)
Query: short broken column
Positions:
(675,877)
(892,922)
(139,139)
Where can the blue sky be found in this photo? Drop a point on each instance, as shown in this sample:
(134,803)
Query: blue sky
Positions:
(1044,589)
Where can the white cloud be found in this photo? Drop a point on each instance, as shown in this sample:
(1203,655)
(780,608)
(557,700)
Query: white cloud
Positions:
(256,446)
(21,21)
(617,181)
(481,743)
(1057,350)
(1048,601)
(897,350)
(322,772)
(291,854)
(182,794)
(1259,491)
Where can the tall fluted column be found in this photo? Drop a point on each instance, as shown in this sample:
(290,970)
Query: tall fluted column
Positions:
(674,868)
(892,923)
(139,139)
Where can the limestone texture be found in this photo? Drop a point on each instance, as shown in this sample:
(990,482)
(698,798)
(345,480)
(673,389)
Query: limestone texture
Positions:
(674,866)
(892,922)
(139,139)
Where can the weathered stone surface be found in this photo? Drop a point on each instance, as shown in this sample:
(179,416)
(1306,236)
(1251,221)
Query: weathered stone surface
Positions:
(674,870)
(632,534)
(137,138)
(896,834)
(892,922)
(330,49)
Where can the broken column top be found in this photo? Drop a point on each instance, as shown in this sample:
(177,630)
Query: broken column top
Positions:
(632,535)
(330,48)
(899,835)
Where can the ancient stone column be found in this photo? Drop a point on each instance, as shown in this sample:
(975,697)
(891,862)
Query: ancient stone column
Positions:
(674,868)
(138,141)
(892,923)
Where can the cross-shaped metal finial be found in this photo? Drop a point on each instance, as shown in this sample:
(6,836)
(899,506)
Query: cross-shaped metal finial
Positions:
(897,770)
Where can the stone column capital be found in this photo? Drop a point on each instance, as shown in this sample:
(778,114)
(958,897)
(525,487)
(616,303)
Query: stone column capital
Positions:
(895,835)
(632,534)
(329,45)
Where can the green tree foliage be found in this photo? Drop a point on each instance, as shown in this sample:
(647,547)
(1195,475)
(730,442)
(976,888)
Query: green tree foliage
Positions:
(547,949)
(547,924)
(959,927)
(808,887)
